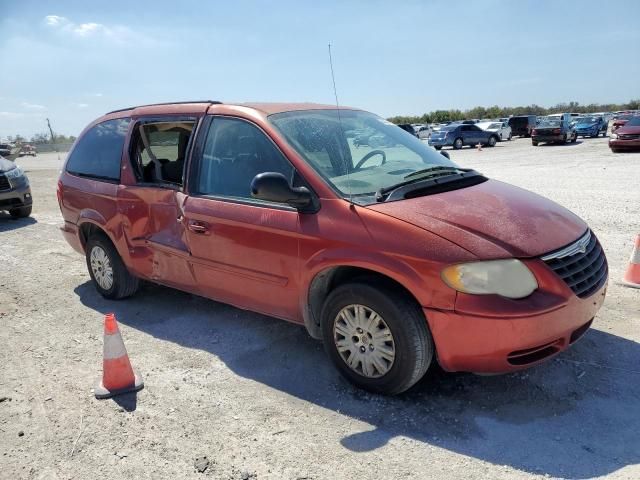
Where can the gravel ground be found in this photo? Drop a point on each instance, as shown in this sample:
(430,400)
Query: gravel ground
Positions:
(257,396)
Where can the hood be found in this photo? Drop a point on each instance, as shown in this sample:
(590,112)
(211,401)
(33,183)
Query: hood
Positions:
(491,220)
(6,165)
(586,124)
(628,130)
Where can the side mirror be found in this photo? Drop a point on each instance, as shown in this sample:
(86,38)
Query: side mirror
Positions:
(274,187)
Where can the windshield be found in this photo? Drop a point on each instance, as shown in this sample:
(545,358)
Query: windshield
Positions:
(549,122)
(634,122)
(587,120)
(379,154)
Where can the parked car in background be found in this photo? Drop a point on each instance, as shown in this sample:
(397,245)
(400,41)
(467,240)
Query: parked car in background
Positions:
(28,149)
(15,192)
(407,127)
(439,266)
(458,135)
(556,128)
(502,129)
(590,126)
(424,132)
(10,151)
(522,125)
(620,120)
(627,137)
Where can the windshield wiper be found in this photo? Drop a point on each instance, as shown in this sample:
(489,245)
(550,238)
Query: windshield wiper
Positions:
(441,179)
(436,169)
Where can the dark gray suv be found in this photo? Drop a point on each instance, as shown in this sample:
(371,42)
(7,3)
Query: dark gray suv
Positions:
(15,192)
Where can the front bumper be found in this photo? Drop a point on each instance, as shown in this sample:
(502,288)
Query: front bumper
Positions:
(17,197)
(491,334)
(588,133)
(618,144)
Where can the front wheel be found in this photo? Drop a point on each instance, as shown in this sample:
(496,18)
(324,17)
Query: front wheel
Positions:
(492,141)
(377,338)
(109,274)
(22,212)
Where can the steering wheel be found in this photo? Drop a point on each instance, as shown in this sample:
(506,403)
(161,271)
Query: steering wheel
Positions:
(368,156)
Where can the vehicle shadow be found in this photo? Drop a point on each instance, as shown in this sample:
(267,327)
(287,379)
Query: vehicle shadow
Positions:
(577,416)
(8,223)
(569,144)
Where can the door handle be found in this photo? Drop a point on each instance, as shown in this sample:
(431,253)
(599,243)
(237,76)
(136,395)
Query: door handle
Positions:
(198,227)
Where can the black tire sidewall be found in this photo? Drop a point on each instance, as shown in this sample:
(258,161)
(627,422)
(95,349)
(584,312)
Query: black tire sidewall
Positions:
(21,212)
(406,323)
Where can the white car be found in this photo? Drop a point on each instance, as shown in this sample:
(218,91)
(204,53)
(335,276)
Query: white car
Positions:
(502,129)
(424,132)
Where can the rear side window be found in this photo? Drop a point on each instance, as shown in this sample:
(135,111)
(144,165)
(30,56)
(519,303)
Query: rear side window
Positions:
(99,151)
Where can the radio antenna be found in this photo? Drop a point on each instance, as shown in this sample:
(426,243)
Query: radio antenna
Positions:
(335,93)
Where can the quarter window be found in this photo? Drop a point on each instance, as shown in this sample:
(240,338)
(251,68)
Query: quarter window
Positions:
(234,153)
(99,152)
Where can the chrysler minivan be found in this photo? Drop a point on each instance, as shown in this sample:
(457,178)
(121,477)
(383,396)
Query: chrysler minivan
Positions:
(392,255)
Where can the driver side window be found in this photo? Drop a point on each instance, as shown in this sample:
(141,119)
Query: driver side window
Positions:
(235,151)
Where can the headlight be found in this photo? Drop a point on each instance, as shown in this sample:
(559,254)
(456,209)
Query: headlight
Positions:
(613,136)
(509,278)
(14,173)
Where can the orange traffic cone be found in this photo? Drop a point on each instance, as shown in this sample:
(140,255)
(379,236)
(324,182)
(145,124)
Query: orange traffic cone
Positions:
(117,374)
(632,275)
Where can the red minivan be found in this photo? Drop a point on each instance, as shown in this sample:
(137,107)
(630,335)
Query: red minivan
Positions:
(383,248)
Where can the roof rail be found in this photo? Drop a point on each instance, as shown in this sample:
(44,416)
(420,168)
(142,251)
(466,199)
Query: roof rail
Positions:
(211,102)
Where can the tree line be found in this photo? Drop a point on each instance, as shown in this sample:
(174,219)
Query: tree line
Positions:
(41,138)
(439,116)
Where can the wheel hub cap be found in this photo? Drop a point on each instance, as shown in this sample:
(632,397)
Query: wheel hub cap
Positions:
(364,341)
(101,267)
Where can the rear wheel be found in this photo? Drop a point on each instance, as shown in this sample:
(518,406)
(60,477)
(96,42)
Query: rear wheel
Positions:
(21,212)
(377,338)
(534,143)
(109,274)
(509,137)
(492,141)
(458,143)
(438,147)
(574,139)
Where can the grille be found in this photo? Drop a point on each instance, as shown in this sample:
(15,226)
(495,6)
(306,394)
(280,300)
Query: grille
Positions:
(582,265)
(4,183)
(629,136)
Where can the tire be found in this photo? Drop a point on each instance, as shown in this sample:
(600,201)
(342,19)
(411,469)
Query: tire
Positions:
(122,284)
(438,147)
(534,143)
(22,212)
(458,143)
(492,141)
(615,150)
(509,137)
(410,338)
(575,138)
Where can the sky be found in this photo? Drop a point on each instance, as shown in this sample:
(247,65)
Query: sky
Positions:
(72,61)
